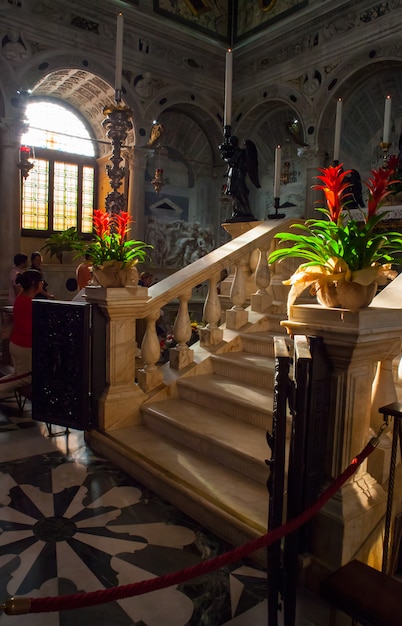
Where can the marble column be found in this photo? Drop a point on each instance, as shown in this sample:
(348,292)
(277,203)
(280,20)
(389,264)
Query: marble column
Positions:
(119,405)
(355,342)
(10,202)
(312,160)
(137,160)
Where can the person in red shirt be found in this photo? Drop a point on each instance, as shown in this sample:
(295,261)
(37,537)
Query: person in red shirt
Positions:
(21,334)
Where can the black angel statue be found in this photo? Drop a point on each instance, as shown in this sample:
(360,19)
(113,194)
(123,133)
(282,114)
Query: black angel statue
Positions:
(241,161)
(354,190)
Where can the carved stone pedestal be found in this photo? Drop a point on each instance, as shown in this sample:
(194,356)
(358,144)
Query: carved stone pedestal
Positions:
(210,336)
(179,359)
(120,402)
(236,318)
(354,342)
(260,301)
(149,379)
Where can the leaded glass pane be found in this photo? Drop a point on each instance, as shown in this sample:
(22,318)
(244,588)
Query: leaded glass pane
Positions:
(65,195)
(58,193)
(88,180)
(46,119)
(35,201)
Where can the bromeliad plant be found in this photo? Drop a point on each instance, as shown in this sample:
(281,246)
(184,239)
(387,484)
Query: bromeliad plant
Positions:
(340,248)
(110,244)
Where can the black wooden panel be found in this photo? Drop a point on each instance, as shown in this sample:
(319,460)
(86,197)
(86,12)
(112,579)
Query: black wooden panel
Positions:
(62,389)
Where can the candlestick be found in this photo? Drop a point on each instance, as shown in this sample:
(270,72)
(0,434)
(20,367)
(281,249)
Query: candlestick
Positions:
(119,57)
(277,175)
(387,120)
(338,123)
(227,117)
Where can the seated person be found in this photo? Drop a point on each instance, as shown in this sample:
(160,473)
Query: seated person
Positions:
(21,334)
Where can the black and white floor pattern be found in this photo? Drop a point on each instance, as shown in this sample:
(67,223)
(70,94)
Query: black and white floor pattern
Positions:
(72,522)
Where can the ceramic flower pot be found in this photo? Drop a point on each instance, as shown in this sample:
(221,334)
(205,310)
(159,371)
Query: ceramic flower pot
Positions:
(327,295)
(354,297)
(345,295)
(111,274)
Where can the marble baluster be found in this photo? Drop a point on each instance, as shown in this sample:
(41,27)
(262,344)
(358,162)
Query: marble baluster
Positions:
(261,300)
(212,334)
(383,393)
(182,355)
(236,317)
(149,377)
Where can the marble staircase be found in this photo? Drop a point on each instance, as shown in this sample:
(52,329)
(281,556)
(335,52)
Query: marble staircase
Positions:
(204,447)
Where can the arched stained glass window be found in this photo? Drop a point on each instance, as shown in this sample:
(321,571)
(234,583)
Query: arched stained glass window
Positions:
(60,189)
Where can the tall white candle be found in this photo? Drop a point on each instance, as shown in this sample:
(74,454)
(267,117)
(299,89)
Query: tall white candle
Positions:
(387,120)
(338,125)
(119,52)
(227,117)
(277,175)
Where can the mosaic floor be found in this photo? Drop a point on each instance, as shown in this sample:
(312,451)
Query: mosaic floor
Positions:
(72,522)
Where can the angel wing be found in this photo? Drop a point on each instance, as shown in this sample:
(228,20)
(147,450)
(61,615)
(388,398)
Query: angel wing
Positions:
(252,162)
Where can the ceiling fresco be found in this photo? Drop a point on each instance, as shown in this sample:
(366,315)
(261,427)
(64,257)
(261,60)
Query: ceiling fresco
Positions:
(227,20)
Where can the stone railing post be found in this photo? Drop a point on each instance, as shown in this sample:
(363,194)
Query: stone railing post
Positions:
(354,342)
(383,393)
(211,334)
(236,317)
(181,355)
(119,403)
(150,377)
(261,300)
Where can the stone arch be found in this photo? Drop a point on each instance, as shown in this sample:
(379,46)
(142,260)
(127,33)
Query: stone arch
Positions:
(267,123)
(83,83)
(363,85)
(201,109)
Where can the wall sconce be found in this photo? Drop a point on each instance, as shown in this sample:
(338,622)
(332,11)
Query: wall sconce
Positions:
(288,173)
(158,180)
(24,164)
(285,173)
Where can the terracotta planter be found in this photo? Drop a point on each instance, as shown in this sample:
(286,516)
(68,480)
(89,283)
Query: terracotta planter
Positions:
(354,297)
(112,275)
(327,295)
(345,295)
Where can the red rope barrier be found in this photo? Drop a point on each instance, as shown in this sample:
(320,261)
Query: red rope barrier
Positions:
(81,600)
(11,379)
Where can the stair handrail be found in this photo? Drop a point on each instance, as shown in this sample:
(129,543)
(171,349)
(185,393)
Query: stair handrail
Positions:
(201,270)
(236,253)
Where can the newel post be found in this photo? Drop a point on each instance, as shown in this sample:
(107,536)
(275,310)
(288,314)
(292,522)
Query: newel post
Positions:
(120,401)
(355,342)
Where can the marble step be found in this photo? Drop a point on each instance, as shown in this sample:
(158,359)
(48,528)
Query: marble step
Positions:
(229,504)
(249,368)
(231,442)
(258,343)
(226,395)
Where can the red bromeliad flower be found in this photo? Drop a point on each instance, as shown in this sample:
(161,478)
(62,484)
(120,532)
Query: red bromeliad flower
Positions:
(101,221)
(334,187)
(110,244)
(121,222)
(379,185)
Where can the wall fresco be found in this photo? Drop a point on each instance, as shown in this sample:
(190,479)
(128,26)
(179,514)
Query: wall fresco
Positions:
(214,16)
